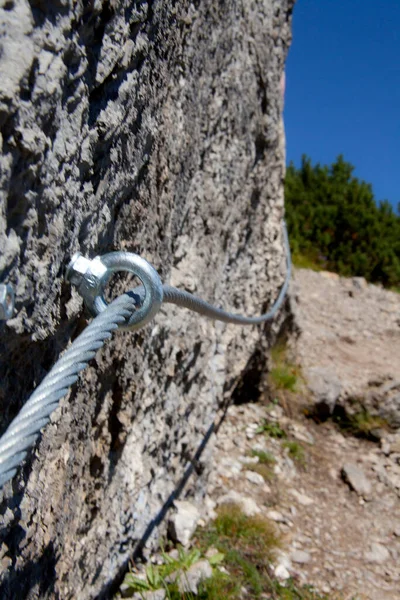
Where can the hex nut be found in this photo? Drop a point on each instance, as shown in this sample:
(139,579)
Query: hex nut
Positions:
(89,277)
(94,280)
(77,269)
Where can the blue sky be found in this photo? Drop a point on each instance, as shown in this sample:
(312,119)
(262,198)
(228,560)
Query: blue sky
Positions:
(343,88)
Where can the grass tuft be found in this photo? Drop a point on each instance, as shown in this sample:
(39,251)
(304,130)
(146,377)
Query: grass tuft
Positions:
(264,457)
(296,451)
(284,375)
(260,468)
(283,378)
(255,536)
(361,424)
(249,545)
(271,429)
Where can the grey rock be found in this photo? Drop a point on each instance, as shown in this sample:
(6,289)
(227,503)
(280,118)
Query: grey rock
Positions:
(360,283)
(356,478)
(189,581)
(276,516)
(301,433)
(281,572)
(383,400)
(153,128)
(325,387)
(301,498)
(300,556)
(255,478)
(183,523)
(247,505)
(377,554)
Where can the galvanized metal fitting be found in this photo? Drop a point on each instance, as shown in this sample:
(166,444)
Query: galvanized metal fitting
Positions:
(91,277)
(88,276)
(7,301)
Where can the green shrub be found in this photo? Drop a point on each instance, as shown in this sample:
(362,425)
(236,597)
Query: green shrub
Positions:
(271,429)
(334,221)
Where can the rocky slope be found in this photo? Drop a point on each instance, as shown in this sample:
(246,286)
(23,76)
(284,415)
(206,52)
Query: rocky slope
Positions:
(349,343)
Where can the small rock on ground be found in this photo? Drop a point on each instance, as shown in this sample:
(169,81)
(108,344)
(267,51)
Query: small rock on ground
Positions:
(300,556)
(190,579)
(183,523)
(377,554)
(247,505)
(253,477)
(356,478)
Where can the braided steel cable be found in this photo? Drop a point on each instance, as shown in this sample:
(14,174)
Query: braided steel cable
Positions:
(35,414)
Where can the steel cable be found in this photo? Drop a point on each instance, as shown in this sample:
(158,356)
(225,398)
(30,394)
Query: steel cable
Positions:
(35,414)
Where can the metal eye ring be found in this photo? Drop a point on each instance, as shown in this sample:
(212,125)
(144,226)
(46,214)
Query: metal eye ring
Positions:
(127,261)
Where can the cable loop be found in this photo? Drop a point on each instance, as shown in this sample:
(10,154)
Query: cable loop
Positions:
(116,262)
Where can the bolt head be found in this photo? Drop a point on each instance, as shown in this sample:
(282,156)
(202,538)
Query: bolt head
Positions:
(89,277)
(77,269)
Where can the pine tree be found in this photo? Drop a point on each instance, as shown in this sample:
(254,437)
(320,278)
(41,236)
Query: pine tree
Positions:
(335,222)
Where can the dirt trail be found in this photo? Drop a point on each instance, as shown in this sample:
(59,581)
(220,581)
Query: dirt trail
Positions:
(334,538)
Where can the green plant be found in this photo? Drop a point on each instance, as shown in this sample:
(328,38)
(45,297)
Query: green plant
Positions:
(333,219)
(264,457)
(159,576)
(271,429)
(248,544)
(260,468)
(360,424)
(296,451)
(152,581)
(284,375)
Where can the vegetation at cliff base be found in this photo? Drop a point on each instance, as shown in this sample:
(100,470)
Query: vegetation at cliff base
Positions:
(334,223)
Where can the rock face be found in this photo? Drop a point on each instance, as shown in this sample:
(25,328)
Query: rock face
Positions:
(150,127)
